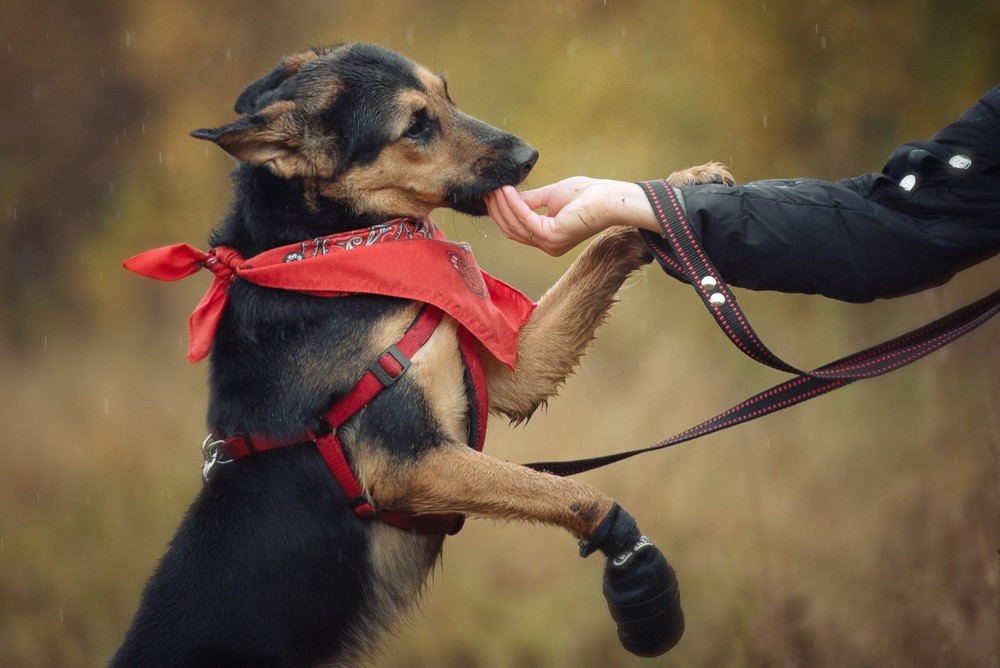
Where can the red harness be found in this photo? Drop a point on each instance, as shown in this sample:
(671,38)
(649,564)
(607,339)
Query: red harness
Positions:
(426,268)
(382,373)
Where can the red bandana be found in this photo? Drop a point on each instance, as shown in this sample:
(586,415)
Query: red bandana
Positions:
(427,268)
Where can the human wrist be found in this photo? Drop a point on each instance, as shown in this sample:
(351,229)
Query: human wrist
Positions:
(630,207)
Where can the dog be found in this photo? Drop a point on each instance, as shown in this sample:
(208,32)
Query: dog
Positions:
(275,564)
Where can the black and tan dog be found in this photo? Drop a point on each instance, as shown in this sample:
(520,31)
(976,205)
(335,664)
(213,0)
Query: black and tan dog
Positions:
(271,566)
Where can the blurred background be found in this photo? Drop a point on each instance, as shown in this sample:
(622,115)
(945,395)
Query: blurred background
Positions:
(860,529)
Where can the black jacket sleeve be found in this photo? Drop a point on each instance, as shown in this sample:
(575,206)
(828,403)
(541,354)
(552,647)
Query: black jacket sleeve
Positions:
(933,211)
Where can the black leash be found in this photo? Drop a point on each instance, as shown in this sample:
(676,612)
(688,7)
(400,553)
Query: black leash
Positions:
(686,259)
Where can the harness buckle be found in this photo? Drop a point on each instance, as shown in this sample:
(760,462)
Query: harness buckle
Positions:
(380,372)
(213,454)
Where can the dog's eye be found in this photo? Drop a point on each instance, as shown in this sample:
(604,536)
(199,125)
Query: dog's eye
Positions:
(419,125)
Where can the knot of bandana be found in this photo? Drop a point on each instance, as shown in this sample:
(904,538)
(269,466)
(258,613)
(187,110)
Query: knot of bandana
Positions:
(223,262)
(427,268)
(172,263)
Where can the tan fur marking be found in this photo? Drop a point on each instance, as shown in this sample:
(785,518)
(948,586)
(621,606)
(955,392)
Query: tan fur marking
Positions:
(389,330)
(276,109)
(403,181)
(439,370)
(295,62)
(432,82)
(453,478)
(283,145)
(410,101)
(400,562)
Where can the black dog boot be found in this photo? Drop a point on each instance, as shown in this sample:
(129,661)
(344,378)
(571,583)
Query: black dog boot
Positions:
(639,585)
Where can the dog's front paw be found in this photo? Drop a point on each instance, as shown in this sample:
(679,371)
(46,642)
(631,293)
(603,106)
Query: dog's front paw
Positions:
(644,599)
(640,586)
(622,246)
(711,172)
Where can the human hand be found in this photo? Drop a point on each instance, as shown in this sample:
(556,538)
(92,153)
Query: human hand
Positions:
(576,208)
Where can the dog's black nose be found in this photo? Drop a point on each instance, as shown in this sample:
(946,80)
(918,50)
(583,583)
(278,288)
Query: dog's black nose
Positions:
(524,158)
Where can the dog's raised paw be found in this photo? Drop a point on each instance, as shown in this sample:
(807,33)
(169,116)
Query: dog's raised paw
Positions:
(644,599)
(639,585)
(710,172)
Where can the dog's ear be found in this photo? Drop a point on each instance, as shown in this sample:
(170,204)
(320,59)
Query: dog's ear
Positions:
(253,96)
(277,138)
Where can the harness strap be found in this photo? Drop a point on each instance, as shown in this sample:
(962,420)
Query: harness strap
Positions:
(475,383)
(382,373)
(684,257)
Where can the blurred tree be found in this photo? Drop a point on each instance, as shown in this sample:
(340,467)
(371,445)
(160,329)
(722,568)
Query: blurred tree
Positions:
(72,113)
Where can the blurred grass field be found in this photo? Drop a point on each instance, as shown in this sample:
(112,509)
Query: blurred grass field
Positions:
(860,529)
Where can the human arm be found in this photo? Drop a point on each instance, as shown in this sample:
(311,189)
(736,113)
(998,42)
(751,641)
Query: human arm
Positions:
(933,211)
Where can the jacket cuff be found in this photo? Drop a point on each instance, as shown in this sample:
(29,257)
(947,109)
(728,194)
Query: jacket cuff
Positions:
(657,243)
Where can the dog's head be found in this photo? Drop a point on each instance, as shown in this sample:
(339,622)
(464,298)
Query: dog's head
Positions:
(365,127)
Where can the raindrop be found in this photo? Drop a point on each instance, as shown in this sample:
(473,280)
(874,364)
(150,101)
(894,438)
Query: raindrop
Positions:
(765,120)
(107,406)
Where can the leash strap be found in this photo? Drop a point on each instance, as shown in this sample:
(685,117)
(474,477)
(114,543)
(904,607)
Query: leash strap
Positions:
(684,257)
